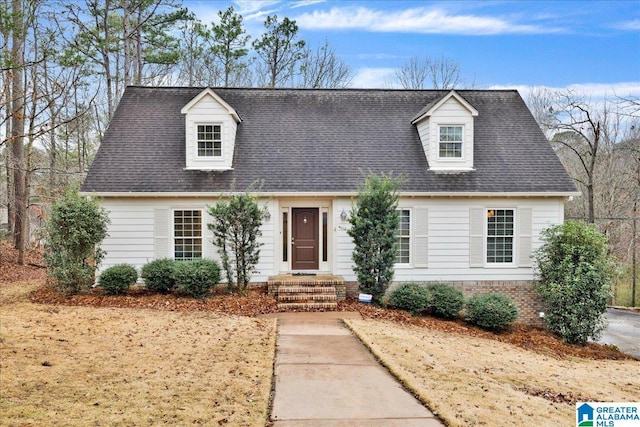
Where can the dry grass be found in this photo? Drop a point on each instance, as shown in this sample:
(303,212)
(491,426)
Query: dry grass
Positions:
(473,381)
(82,366)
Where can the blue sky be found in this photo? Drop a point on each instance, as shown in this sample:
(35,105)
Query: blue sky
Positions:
(590,46)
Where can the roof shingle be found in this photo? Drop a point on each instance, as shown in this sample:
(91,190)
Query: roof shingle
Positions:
(320,141)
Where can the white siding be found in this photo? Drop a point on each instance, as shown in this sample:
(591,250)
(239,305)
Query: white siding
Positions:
(209,111)
(451,112)
(135,233)
(449,238)
(445,230)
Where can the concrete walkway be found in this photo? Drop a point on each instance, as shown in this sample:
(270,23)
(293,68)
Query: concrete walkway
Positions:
(324,376)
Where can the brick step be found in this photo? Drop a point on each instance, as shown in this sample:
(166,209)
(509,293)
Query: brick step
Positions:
(306,289)
(303,297)
(307,305)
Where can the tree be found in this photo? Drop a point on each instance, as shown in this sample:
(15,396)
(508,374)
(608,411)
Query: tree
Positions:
(279,49)
(433,73)
(75,229)
(586,131)
(374,227)
(324,69)
(236,229)
(229,43)
(574,280)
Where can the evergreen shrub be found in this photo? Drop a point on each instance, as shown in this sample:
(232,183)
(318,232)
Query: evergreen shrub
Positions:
(118,279)
(158,275)
(411,297)
(492,311)
(196,277)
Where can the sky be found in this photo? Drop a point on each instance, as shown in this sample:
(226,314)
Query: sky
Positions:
(592,47)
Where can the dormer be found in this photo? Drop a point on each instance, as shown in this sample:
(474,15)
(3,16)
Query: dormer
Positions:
(210,132)
(445,127)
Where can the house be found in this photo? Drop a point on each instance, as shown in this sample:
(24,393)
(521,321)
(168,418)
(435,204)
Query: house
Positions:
(481,179)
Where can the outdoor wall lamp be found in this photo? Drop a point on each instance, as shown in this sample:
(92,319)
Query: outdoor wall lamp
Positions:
(343,215)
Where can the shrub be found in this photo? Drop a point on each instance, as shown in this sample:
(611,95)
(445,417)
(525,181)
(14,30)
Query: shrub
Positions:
(196,277)
(158,275)
(446,301)
(411,297)
(74,231)
(575,275)
(491,311)
(236,233)
(374,224)
(118,278)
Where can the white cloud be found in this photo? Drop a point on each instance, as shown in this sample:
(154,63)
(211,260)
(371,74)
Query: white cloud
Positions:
(594,91)
(373,78)
(303,3)
(415,20)
(633,25)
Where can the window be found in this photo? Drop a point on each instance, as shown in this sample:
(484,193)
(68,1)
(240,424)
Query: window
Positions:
(285,236)
(404,239)
(187,234)
(500,226)
(450,142)
(209,141)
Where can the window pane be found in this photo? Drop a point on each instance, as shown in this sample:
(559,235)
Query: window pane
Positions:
(403,255)
(285,236)
(500,226)
(209,140)
(324,237)
(187,234)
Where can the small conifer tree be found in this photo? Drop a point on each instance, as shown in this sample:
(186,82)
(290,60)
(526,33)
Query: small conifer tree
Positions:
(236,228)
(374,226)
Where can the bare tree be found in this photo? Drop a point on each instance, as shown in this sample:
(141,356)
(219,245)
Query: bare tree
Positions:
(429,73)
(322,68)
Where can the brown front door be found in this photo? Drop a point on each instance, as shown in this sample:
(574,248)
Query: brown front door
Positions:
(304,239)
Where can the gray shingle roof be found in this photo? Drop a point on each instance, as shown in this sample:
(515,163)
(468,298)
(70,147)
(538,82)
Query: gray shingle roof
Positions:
(318,141)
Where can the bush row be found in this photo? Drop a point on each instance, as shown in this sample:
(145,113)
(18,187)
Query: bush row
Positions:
(489,311)
(193,278)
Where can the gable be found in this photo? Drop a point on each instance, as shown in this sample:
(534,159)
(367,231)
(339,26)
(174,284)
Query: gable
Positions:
(446,130)
(210,132)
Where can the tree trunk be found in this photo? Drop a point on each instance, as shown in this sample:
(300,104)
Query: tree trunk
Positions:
(17,129)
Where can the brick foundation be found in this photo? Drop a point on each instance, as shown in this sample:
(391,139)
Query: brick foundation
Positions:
(521,293)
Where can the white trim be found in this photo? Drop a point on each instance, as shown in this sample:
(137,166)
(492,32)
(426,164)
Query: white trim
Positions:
(410,263)
(462,144)
(208,91)
(172,231)
(315,195)
(514,239)
(451,94)
(213,158)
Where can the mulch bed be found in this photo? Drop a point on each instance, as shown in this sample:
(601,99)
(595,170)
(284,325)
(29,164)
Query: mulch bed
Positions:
(257,302)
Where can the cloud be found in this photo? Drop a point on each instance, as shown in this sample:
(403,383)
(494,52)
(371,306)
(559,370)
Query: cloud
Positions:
(590,90)
(373,77)
(414,20)
(303,3)
(633,25)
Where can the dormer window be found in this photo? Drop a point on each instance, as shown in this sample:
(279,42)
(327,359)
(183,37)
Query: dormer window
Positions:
(450,142)
(210,132)
(209,141)
(445,127)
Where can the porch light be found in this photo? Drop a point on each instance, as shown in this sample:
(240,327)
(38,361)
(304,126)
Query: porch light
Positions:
(267,215)
(343,215)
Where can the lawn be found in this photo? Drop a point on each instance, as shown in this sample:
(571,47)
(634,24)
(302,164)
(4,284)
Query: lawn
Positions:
(474,381)
(80,366)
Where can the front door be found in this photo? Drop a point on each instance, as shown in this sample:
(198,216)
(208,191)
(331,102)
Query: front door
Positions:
(304,238)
